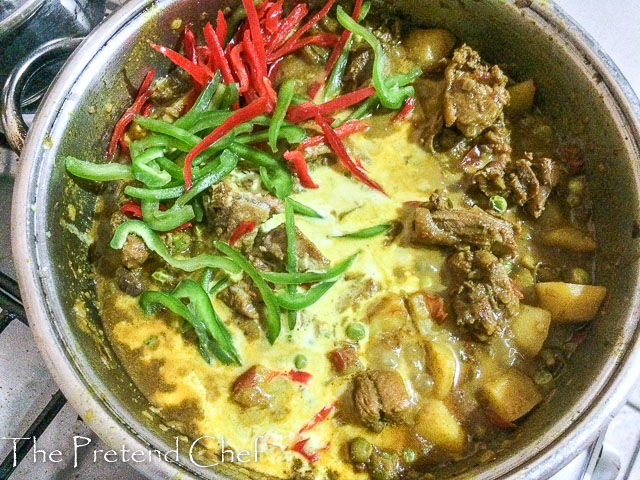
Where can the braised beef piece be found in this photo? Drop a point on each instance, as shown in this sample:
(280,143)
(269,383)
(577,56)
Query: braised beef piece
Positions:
(134,252)
(435,223)
(272,248)
(227,207)
(430,95)
(247,391)
(129,281)
(242,297)
(358,70)
(482,294)
(475,93)
(380,396)
(527,181)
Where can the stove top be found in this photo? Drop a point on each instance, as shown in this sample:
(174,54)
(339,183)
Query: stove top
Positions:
(32,406)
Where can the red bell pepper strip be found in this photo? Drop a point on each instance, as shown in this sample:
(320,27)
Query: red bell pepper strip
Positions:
(238,67)
(241,230)
(300,165)
(255,108)
(262,9)
(344,130)
(217,57)
(221,27)
(321,416)
(200,73)
(310,23)
(132,209)
(141,98)
(335,53)
(309,110)
(336,145)
(272,17)
(189,44)
(256,36)
(299,447)
(147,109)
(253,60)
(286,26)
(322,40)
(203,55)
(299,376)
(273,70)
(406,111)
(184,226)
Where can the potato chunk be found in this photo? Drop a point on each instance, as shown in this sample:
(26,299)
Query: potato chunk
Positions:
(387,315)
(521,97)
(530,329)
(435,424)
(569,238)
(443,366)
(510,396)
(428,47)
(570,302)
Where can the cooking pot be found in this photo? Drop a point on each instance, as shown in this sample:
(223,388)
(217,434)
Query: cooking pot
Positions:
(578,87)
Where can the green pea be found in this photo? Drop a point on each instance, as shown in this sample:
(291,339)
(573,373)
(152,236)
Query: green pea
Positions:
(356,331)
(578,275)
(542,377)
(360,450)
(498,203)
(576,186)
(409,455)
(300,361)
(181,241)
(151,342)
(162,277)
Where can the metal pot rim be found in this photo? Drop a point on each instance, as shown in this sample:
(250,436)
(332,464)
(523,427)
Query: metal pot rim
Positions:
(20,15)
(28,226)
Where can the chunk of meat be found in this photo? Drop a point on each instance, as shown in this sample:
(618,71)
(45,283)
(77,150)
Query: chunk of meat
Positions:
(430,95)
(475,93)
(129,281)
(345,359)
(527,181)
(227,207)
(272,247)
(482,295)
(380,396)
(242,297)
(134,252)
(358,70)
(436,224)
(247,391)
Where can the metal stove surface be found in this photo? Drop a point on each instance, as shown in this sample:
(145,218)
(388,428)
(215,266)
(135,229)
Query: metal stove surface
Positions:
(28,393)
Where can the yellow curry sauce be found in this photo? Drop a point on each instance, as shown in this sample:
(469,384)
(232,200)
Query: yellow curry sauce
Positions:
(464,389)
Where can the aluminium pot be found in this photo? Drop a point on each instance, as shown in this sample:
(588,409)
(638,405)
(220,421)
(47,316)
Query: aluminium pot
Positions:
(578,86)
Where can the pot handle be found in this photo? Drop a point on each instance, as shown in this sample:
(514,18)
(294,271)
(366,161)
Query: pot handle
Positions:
(14,126)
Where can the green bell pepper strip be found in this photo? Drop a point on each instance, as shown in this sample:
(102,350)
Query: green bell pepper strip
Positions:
(98,172)
(154,193)
(207,278)
(285,95)
(275,176)
(217,98)
(334,83)
(155,244)
(170,129)
(170,167)
(271,303)
(230,96)
(198,209)
(310,277)
(291,133)
(210,120)
(203,309)
(292,257)
(277,181)
(165,220)
(219,286)
(298,301)
(299,99)
(156,140)
(304,210)
(149,302)
(368,232)
(146,169)
(201,104)
(227,162)
(389,90)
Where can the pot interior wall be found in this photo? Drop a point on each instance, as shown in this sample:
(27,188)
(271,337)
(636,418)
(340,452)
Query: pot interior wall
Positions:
(503,34)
